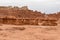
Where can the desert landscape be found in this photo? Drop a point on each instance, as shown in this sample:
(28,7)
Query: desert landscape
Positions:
(29,32)
(25,24)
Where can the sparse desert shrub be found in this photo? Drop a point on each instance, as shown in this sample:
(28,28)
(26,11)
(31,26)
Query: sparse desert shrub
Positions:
(18,28)
(1,29)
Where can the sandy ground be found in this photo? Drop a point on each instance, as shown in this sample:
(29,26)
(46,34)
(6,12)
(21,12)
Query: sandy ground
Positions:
(29,32)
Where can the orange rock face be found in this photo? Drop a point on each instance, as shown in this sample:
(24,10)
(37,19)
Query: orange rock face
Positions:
(24,16)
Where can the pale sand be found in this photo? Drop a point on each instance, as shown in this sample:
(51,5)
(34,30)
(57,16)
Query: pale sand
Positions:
(29,32)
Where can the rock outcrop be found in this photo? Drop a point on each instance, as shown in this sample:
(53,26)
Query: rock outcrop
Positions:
(25,16)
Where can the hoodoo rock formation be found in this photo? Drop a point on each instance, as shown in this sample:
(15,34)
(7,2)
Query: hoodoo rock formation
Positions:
(25,16)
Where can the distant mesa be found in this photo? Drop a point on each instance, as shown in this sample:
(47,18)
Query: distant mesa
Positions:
(21,8)
(23,15)
(25,12)
(24,8)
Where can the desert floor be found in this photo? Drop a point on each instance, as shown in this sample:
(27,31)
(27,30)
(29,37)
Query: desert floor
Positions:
(29,32)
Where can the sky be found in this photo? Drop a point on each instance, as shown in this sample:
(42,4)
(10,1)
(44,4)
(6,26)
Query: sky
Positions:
(45,6)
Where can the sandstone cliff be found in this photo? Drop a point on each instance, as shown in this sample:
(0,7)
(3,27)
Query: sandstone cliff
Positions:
(23,15)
